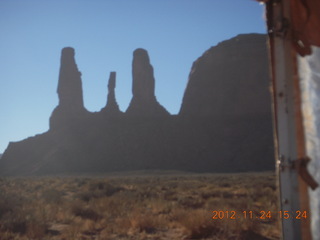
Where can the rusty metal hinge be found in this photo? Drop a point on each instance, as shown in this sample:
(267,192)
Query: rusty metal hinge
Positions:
(300,165)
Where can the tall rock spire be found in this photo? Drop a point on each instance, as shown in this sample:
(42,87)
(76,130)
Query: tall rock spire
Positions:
(143,101)
(70,108)
(70,85)
(142,74)
(112,105)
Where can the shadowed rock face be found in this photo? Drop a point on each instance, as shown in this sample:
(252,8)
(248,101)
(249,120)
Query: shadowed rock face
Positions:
(230,79)
(143,101)
(227,98)
(224,124)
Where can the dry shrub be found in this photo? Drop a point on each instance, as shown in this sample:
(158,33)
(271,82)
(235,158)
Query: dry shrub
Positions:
(121,227)
(53,196)
(159,206)
(170,195)
(105,188)
(191,202)
(7,235)
(15,225)
(98,189)
(198,224)
(18,216)
(81,181)
(85,213)
(86,196)
(89,227)
(23,222)
(36,230)
(5,206)
(73,232)
(147,222)
(250,234)
(111,207)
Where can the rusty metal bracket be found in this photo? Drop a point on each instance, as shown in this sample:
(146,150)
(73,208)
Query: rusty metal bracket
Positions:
(301,166)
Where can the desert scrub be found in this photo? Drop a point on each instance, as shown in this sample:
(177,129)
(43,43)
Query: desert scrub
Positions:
(136,207)
(98,189)
(198,224)
(53,196)
(85,212)
(145,221)
(6,204)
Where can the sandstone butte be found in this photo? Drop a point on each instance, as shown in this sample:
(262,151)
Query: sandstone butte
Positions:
(224,124)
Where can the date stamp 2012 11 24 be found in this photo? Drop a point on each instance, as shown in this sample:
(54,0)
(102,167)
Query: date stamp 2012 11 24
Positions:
(263,215)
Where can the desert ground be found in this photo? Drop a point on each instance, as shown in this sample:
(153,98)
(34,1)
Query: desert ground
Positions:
(140,205)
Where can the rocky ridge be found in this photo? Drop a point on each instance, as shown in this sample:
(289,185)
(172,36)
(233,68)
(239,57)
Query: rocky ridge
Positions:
(224,124)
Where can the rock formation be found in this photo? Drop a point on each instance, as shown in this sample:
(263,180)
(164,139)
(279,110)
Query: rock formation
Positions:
(224,124)
(112,105)
(69,91)
(228,92)
(70,84)
(230,79)
(144,101)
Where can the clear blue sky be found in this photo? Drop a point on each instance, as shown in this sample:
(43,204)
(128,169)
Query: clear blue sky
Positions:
(104,34)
